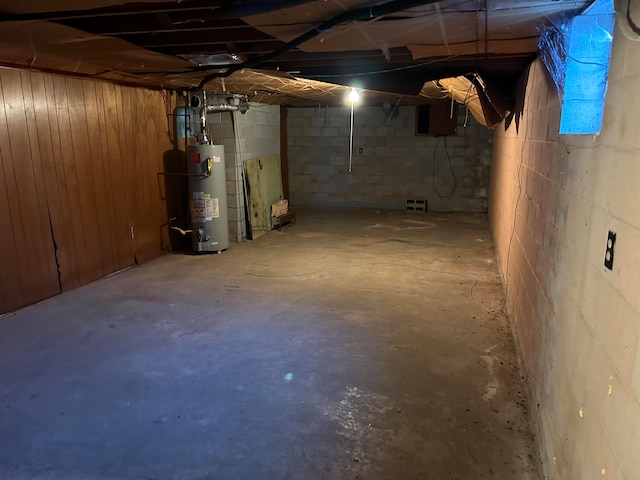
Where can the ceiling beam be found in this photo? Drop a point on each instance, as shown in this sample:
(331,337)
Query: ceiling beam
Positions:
(113,11)
(158,40)
(247,48)
(371,12)
(143,23)
(396,53)
(223,8)
(457,66)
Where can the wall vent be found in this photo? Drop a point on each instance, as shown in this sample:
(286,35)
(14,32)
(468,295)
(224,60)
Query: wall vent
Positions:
(416,205)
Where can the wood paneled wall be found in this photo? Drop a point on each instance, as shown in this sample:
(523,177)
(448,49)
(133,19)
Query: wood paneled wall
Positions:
(80,195)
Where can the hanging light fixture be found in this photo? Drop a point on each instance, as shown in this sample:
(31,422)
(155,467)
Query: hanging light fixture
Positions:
(354,97)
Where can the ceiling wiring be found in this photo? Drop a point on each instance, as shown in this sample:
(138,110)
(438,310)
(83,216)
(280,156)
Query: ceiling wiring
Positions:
(388,70)
(436,160)
(345,17)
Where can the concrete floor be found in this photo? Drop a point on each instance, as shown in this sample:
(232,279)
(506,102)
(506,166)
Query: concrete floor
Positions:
(358,344)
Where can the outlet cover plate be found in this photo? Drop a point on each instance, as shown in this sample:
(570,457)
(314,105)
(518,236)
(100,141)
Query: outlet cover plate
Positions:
(608,254)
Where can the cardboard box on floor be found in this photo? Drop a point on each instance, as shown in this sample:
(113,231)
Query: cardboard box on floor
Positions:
(281,207)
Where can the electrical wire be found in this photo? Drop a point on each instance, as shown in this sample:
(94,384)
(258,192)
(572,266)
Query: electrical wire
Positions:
(242,196)
(351,139)
(389,70)
(515,209)
(423,20)
(391,112)
(166,101)
(362,13)
(182,231)
(436,160)
(467,95)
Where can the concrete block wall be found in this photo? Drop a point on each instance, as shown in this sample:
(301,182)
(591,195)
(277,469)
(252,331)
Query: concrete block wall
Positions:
(395,164)
(553,200)
(256,134)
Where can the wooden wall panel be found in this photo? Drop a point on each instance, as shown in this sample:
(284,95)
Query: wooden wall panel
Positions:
(100,168)
(44,254)
(150,159)
(69,257)
(117,149)
(128,118)
(27,260)
(86,210)
(79,164)
(135,151)
(151,162)
(68,177)
(11,295)
(44,130)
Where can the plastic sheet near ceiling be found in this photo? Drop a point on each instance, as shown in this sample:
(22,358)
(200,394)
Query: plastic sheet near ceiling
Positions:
(58,48)
(460,27)
(302,92)
(55,47)
(451,27)
(459,89)
(284,89)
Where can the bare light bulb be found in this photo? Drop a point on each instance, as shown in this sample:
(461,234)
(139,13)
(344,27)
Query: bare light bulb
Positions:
(354,96)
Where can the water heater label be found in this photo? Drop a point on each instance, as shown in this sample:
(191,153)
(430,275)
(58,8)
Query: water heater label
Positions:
(216,159)
(198,212)
(208,207)
(195,158)
(215,208)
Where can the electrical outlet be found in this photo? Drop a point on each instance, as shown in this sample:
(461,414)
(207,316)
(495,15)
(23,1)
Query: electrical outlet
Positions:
(608,254)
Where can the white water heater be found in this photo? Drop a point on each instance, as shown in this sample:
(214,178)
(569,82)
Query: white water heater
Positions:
(207,193)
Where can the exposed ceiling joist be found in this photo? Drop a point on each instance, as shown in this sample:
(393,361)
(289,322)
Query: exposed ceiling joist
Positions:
(396,45)
(213,46)
(150,24)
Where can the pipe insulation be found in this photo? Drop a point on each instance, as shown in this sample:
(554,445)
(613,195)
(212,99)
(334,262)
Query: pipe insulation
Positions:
(223,107)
